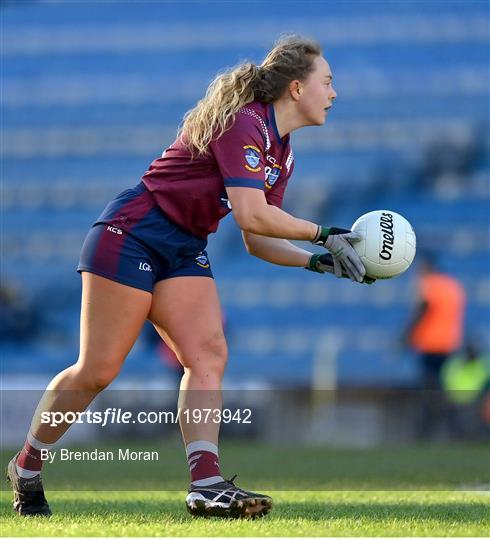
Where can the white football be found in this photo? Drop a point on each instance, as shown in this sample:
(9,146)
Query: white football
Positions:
(388,243)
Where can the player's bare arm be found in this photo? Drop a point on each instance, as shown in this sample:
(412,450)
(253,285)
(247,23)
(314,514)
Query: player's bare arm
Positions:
(275,250)
(254,215)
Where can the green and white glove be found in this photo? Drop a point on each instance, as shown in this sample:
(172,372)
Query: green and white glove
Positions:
(324,263)
(345,258)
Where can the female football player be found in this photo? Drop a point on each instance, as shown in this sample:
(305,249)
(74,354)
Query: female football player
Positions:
(144,258)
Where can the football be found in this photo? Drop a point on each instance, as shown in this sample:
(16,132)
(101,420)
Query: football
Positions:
(388,243)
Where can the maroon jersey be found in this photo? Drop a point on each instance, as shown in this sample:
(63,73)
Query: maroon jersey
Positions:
(191,191)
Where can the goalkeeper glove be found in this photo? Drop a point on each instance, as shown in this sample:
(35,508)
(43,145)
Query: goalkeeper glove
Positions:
(339,243)
(324,262)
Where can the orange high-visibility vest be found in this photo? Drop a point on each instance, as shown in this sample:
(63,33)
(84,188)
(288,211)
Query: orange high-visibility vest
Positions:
(440,330)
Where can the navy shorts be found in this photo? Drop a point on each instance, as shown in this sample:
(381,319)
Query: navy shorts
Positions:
(133,242)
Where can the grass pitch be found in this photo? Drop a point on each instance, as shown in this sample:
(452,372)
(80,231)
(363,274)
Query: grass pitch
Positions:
(345,513)
(345,503)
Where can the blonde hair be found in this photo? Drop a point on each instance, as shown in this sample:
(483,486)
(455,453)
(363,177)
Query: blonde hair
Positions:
(291,58)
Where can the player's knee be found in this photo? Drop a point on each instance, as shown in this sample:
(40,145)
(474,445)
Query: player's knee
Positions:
(210,355)
(96,379)
(215,350)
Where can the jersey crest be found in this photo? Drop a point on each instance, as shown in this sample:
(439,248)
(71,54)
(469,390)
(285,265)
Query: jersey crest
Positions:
(252,157)
(271,175)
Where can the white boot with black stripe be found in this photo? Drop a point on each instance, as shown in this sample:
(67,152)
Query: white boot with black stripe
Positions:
(224,499)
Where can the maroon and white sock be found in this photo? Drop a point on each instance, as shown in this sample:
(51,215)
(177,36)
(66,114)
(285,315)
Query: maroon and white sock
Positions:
(203,460)
(29,462)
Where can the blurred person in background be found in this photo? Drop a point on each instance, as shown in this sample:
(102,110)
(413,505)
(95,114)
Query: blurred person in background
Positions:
(466,385)
(436,332)
(145,258)
(19,317)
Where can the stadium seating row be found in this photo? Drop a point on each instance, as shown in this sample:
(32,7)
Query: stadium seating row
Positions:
(90,97)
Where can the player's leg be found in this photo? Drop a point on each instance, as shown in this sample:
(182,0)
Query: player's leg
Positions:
(186,312)
(112,316)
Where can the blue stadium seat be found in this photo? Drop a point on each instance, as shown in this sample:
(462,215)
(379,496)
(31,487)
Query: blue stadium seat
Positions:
(395,98)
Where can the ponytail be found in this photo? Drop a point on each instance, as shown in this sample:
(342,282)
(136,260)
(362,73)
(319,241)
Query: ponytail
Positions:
(291,59)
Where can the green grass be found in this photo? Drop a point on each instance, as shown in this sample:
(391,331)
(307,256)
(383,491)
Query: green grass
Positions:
(408,491)
(295,514)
